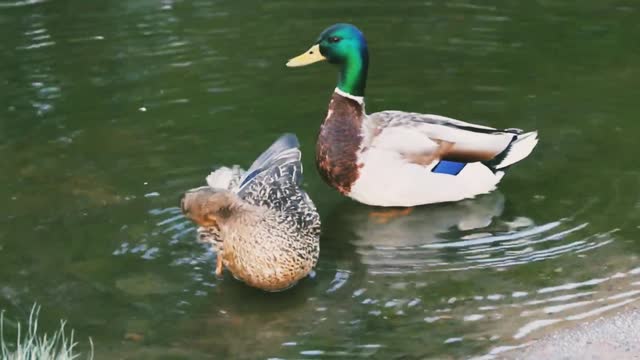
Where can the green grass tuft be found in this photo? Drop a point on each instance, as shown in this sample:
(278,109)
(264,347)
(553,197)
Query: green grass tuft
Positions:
(35,347)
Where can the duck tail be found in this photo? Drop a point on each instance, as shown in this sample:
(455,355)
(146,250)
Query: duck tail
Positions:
(521,146)
(225,177)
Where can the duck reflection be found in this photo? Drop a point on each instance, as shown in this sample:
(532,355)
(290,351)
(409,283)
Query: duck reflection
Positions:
(399,240)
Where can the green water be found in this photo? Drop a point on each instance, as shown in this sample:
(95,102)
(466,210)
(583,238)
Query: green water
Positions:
(110,110)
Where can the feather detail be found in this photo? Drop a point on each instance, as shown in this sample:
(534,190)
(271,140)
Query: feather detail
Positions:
(519,149)
(273,179)
(282,151)
(424,134)
(225,177)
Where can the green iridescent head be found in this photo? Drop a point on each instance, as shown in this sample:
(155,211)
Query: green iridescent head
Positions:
(344,45)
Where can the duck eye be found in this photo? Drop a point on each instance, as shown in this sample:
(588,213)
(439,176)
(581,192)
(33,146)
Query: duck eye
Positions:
(334,39)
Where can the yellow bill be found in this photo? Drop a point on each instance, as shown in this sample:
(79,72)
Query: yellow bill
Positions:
(308,57)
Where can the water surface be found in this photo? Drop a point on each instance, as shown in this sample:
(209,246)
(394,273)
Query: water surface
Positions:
(110,110)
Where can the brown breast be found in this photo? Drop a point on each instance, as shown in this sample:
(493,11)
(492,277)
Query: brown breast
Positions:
(338,143)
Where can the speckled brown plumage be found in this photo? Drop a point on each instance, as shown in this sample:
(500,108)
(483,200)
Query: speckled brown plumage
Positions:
(266,229)
(338,143)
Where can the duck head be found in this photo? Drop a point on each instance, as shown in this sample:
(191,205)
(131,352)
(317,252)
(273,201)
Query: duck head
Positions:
(209,207)
(343,45)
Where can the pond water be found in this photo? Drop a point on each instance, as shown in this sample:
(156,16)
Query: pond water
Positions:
(110,110)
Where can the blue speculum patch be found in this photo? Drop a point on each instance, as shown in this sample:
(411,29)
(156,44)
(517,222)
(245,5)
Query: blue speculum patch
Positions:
(448,167)
(250,176)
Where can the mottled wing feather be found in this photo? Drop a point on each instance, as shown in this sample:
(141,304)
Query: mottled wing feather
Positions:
(274,184)
(286,147)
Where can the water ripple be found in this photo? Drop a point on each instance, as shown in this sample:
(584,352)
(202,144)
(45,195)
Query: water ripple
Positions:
(418,242)
(20,3)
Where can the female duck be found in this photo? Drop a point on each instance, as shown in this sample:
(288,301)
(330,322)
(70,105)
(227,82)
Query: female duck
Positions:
(265,229)
(395,158)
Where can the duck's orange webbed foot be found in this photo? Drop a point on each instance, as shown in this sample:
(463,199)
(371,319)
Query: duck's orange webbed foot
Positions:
(384,216)
(219,266)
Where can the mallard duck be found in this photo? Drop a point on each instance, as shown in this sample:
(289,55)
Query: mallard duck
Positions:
(396,158)
(265,229)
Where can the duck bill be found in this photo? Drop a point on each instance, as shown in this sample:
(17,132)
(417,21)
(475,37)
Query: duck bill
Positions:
(310,56)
